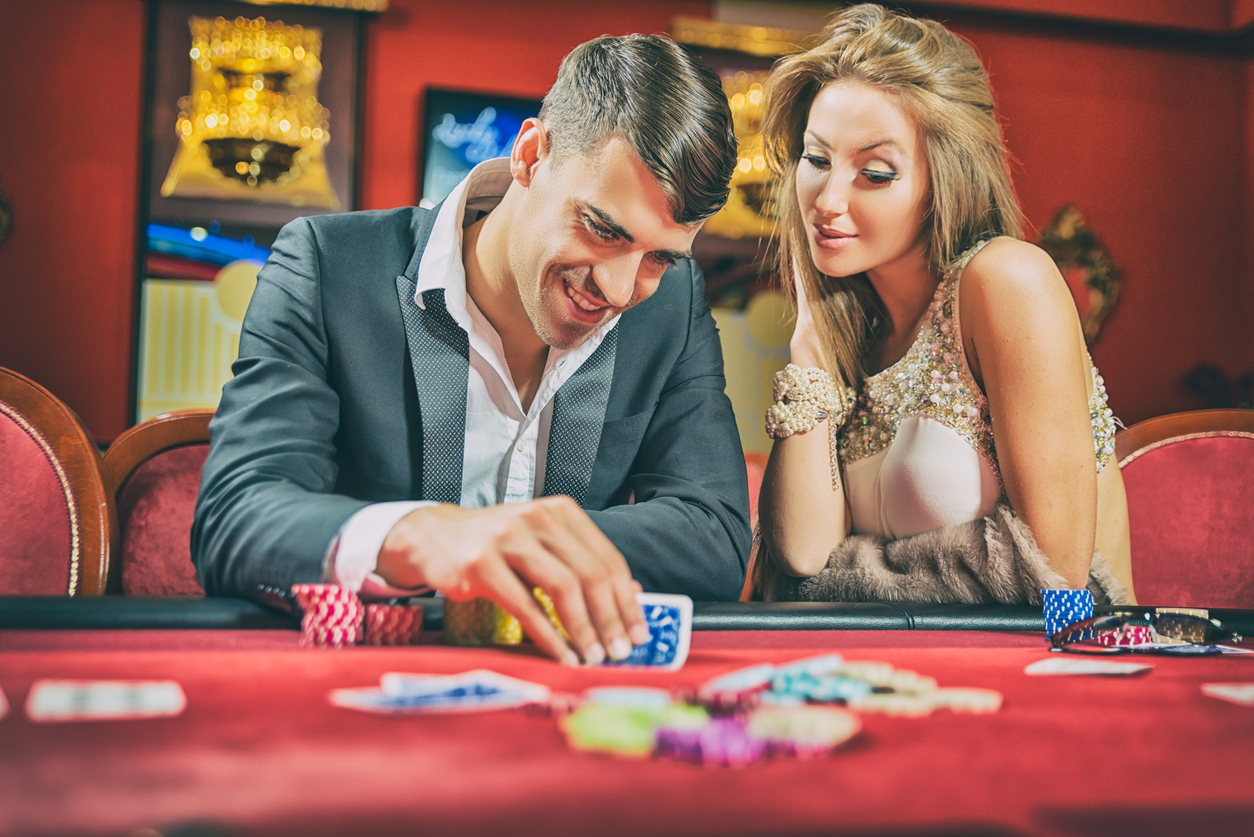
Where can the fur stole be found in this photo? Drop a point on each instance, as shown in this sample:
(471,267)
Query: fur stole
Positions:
(992,560)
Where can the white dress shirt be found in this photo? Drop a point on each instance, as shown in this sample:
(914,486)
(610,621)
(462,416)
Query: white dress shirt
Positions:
(504,456)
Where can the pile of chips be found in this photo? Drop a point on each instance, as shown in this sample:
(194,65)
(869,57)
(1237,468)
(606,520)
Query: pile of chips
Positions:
(803,709)
(333,616)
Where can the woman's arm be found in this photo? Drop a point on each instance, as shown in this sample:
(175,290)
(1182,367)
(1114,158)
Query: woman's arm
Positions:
(1026,349)
(802,516)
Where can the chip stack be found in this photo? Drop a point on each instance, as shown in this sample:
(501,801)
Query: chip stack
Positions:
(483,622)
(1129,635)
(331,615)
(1066,607)
(393,624)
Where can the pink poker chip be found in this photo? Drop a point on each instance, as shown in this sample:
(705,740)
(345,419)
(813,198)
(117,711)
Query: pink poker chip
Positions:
(392,624)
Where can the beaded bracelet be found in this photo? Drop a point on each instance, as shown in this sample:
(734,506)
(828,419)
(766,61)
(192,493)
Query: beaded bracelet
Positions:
(804,396)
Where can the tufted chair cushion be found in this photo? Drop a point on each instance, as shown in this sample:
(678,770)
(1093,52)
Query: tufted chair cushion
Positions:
(155,507)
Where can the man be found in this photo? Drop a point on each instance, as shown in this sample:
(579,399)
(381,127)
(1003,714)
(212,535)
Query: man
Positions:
(410,381)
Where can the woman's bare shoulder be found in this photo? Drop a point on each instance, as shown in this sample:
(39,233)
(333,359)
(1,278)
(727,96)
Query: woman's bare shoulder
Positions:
(1013,278)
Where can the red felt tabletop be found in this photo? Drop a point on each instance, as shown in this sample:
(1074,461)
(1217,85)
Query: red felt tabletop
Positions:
(259,750)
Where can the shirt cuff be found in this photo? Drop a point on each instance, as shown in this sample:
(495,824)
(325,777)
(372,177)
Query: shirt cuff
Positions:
(353,555)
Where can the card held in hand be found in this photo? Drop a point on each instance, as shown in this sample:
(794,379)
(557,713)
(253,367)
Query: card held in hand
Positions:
(669,617)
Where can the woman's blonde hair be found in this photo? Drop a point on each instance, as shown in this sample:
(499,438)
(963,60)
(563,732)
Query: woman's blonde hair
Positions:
(939,80)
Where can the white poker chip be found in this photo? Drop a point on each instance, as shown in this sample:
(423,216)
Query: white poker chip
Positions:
(978,701)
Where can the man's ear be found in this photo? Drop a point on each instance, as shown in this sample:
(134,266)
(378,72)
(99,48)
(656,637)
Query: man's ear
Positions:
(530,149)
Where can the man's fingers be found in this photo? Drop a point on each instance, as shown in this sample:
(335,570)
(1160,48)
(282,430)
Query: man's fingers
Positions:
(507,590)
(538,567)
(606,579)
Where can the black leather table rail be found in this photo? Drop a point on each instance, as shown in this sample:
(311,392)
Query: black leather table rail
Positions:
(139,612)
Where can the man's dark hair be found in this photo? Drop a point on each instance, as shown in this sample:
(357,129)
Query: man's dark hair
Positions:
(668,105)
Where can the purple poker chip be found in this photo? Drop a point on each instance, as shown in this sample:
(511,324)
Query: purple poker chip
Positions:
(722,741)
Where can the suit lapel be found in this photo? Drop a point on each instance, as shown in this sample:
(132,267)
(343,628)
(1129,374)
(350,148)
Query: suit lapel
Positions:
(578,416)
(439,353)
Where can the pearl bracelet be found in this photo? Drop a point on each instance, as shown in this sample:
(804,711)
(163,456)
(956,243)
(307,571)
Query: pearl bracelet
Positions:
(804,396)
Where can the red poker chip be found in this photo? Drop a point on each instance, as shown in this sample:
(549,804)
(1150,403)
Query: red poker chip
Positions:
(331,615)
(392,624)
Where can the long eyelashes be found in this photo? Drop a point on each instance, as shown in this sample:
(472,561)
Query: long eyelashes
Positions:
(878,177)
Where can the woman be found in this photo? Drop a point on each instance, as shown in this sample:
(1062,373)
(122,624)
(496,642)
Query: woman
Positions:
(941,433)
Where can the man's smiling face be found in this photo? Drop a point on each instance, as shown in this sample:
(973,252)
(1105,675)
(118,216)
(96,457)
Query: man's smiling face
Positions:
(594,237)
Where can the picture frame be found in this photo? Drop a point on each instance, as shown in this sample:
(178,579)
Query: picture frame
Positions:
(171,80)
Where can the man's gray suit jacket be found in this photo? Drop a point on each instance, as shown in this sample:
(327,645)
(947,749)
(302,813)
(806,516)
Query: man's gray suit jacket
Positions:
(347,393)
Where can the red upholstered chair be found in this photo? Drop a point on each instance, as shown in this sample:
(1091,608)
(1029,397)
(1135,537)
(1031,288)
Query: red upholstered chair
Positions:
(1190,482)
(54,513)
(153,471)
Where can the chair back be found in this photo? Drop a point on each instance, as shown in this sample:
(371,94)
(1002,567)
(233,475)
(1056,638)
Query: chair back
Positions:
(54,515)
(153,472)
(1190,483)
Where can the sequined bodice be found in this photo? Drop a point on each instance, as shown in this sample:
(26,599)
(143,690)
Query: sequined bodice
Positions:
(933,380)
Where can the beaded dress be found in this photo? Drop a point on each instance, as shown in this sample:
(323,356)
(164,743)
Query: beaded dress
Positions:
(917,450)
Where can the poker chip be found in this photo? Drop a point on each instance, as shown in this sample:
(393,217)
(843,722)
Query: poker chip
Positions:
(483,622)
(1129,635)
(911,705)
(331,615)
(393,624)
(1065,607)
(977,701)
(726,742)
(803,732)
(626,731)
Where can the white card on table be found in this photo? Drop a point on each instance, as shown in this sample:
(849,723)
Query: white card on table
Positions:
(1242,694)
(1075,665)
(104,700)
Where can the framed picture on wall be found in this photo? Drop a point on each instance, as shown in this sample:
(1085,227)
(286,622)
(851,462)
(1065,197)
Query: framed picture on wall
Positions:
(253,120)
(461,129)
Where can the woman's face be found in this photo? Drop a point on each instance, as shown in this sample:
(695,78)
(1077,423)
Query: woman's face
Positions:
(862,181)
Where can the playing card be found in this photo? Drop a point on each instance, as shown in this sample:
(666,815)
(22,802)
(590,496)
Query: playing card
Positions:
(669,618)
(1242,694)
(472,691)
(1074,665)
(103,700)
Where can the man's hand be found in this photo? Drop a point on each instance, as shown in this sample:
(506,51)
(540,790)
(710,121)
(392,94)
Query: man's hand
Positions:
(501,552)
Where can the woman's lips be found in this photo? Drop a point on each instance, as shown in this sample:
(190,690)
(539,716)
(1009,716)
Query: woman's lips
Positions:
(831,239)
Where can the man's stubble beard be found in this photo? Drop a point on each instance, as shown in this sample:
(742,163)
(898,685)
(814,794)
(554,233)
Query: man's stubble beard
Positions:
(544,309)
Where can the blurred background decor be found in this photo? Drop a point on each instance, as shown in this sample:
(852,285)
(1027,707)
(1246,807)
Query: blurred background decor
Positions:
(268,133)
(252,127)
(460,130)
(1082,258)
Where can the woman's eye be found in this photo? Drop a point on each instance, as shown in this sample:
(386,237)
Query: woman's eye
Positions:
(817,161)
(878,177)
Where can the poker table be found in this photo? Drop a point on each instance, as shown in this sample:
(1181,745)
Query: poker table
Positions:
(259,750)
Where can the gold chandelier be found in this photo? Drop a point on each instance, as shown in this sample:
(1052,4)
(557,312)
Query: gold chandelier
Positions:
(253,127)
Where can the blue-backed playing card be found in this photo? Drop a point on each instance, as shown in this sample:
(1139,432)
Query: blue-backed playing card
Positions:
(669,617)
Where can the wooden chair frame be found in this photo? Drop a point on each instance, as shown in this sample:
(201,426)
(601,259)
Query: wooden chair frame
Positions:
(1147,435)
(76,458)
(147,439)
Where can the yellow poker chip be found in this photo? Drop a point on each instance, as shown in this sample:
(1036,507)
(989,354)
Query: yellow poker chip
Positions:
(483,622)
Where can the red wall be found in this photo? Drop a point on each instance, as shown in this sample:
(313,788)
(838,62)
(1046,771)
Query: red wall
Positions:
(69,163)
(1153,140)
(500,46)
